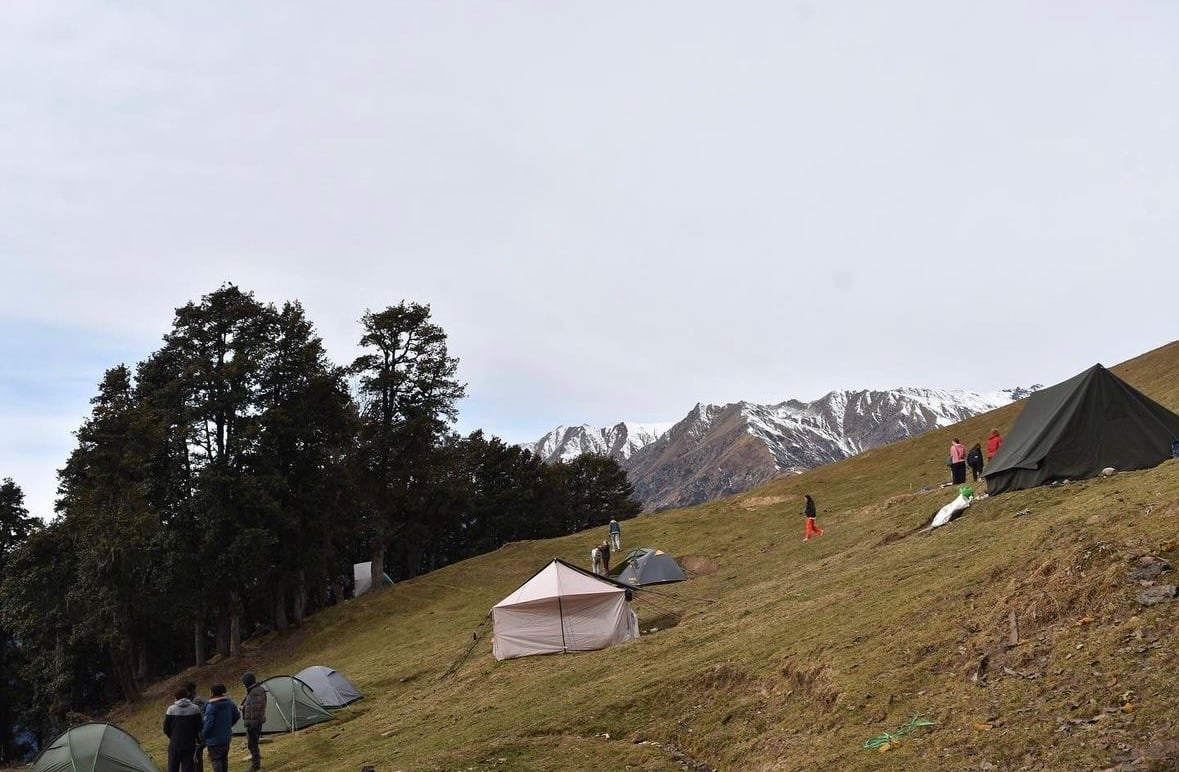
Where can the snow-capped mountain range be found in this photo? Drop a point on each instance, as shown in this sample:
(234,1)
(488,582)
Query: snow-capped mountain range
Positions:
(720,450)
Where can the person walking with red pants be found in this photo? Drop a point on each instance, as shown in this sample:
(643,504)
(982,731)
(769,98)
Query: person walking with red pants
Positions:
(812,528)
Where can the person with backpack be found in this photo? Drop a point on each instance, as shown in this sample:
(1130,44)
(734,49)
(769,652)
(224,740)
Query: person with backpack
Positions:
(974,460)
(812,527)
(615,535)
(253,717)
(220,716)
(182,725)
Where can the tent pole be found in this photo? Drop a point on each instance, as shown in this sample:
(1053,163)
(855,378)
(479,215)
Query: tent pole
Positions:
(561,614)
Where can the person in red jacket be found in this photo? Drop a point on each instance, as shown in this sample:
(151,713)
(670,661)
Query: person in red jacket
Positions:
(994,442)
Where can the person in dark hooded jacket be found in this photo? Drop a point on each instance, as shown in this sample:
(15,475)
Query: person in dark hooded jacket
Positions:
(974,460)
(253,716)
(220,716)
(812,526)
(182,725)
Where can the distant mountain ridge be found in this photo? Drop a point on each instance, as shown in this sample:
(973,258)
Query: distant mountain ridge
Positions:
(619,441)
(721,450)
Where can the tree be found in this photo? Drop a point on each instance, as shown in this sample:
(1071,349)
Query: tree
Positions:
(408,395)
(595,489)
(120,547)
(307,426)
(15,526)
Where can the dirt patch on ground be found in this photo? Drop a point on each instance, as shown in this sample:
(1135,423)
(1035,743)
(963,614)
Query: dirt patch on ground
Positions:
(699,565)
(757,502)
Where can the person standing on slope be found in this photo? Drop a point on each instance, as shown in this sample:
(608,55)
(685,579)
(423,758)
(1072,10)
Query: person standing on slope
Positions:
(974,460)
(812,528)
(220,716)
(615,535)
(958,462)
(182,725)
(994,442)
(253,716)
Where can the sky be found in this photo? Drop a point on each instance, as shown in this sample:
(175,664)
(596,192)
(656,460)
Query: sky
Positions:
(615,210)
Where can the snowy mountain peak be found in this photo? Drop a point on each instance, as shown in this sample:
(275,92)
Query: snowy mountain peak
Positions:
(619,441)
(719,450)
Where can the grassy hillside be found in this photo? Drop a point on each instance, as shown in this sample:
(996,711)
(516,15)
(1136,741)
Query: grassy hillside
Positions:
(778,654)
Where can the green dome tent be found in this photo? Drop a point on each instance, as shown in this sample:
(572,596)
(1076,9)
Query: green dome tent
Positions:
(290,706)
(94,747)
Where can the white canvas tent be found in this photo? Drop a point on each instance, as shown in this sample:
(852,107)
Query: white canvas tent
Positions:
(330,686)
(562,608)
(362,578)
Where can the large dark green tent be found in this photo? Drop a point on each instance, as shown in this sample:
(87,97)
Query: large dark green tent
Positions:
(1075,429)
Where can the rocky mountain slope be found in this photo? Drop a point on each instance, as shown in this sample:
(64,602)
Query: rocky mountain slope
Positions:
(720,450)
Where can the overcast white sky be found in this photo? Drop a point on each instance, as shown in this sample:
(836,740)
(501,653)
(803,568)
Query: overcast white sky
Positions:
(615,209)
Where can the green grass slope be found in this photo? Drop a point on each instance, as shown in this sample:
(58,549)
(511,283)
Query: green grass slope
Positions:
(779,655)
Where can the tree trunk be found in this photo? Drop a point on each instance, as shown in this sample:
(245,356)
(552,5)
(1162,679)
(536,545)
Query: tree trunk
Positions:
(198,641)
(378,567)
(140,663)
(413,560)
(235,625)
(223,636)
(280,608)
(300,597)
(235,635)
(121,665)
(7,742)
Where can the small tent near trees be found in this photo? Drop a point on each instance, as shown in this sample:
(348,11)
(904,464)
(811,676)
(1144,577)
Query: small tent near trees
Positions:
(562,608)
(330,686)
(94,747)
(646,565)
(362,578)
(1075,429)
(290,706)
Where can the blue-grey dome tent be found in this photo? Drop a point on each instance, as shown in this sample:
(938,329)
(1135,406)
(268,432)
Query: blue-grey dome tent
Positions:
(330,686)
(646,565)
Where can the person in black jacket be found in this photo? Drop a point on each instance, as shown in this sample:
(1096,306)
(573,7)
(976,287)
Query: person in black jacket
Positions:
(182,725)
(812,527)
(974,460)
(253,716)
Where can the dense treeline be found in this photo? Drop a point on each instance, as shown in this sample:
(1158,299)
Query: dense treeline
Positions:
(219,486)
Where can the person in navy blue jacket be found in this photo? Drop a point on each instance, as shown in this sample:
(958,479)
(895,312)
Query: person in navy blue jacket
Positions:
(220,716)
